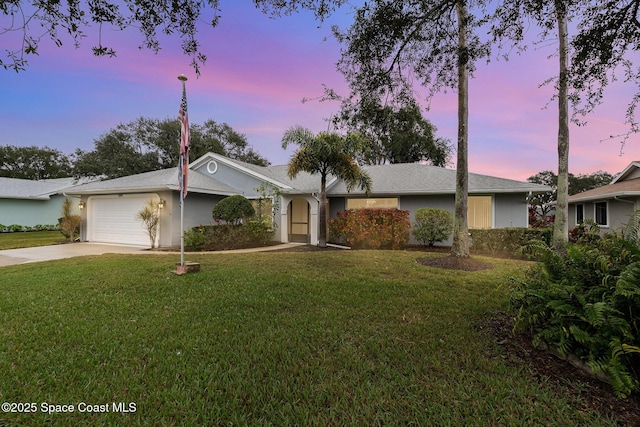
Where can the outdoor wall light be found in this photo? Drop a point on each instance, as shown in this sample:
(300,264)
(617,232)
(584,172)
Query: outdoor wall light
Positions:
(161,204)
(81,205)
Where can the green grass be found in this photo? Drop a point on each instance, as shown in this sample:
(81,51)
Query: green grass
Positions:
(334,338)
(29,239)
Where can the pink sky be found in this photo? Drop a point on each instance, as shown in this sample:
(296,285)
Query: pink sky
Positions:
(258,71)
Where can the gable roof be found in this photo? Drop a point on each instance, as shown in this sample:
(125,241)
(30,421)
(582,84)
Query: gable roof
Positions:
(628,172)
(415,178)
(625,184)
(303,183)
(406,178)
(628,188)
(14,188)
(161,180)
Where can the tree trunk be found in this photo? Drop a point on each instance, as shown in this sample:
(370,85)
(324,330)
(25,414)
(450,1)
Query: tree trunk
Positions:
(460,246)
(561,226)
(322,214)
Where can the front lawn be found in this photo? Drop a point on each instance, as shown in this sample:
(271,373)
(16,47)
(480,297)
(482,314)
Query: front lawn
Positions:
(30,239)
(305,338)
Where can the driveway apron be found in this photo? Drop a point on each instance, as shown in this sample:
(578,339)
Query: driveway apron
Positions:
(47,253)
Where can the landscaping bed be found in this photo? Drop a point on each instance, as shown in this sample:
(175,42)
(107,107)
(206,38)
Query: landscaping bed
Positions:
(587,392)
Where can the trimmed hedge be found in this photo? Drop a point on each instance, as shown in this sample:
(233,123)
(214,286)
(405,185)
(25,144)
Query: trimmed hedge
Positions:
(233,209)
(14,228)
(371,228)
(509,240)
(254,233)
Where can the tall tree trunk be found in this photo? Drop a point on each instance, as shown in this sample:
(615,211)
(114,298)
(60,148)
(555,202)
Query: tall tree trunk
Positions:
(460,246)
(561,226)
(322,213)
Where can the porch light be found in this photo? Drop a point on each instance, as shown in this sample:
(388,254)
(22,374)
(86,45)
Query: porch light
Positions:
(161,204)
(81,205)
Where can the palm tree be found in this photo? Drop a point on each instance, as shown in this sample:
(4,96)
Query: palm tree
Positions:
(325,154)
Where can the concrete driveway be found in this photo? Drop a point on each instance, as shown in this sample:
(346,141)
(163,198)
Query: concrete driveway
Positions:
(47,253)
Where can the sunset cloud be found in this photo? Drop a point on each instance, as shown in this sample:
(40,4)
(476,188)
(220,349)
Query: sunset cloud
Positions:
(257,73)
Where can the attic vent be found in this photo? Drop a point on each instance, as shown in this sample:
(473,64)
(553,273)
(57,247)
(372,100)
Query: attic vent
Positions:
(212,167)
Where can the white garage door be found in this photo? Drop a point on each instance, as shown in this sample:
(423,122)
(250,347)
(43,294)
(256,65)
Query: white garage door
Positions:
(113,219)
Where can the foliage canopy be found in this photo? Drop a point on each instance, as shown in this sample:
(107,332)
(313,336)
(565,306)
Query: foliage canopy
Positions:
(36,20)
(33,163)
(147,144)
(233,209)
(326,154)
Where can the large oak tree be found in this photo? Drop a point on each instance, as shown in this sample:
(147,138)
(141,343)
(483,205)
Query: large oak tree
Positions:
(395,132)
(147,144)
(33,163)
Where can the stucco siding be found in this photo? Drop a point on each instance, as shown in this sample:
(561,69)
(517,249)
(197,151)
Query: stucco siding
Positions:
(510,210)
(197,211)
(336,204)
(618,213)
(31,212)
(413,203)
(245,183)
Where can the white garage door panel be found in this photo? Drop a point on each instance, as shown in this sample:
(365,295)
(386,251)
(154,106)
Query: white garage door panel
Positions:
(114,220)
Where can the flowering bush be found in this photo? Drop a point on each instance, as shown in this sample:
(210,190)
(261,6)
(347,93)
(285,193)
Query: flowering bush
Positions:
(371,228)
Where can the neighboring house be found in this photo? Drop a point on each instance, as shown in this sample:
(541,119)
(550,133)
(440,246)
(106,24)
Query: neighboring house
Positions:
(110,207)
(609,206)
(28,202)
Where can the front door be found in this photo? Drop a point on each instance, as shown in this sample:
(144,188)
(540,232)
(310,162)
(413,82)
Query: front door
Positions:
(299,221)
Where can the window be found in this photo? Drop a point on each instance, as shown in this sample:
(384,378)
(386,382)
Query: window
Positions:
(480,212)
(601,213)
(386,203)
(579,214)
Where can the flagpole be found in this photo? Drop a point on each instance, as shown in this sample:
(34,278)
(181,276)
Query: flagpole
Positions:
(183,79)
(182,233)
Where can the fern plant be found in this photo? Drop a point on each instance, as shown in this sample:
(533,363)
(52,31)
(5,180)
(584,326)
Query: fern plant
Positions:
(585,301)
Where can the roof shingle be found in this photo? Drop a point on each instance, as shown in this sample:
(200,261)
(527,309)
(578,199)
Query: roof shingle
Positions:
(630,187)
(14,188)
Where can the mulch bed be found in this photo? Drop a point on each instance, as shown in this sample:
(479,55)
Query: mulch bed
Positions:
(586,392)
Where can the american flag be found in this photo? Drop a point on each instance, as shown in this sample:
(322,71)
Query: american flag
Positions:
(183,164)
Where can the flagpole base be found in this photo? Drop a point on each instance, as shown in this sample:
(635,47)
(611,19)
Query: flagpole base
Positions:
(188,267)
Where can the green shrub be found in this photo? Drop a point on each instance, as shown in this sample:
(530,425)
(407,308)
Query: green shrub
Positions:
(261,230)
(39,227)
(510,240)
(195,238)
(432,225)
(233,209)
(371,228)
(228,236)
(585,301)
